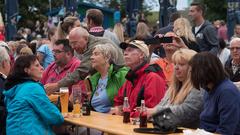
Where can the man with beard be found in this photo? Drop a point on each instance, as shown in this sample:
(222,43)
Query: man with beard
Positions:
(64,63)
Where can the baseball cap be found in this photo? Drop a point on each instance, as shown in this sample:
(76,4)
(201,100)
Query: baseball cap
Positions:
(136,44)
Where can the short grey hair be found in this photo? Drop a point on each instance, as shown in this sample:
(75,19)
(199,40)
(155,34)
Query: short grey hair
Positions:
(4,56)
(108,51)
(235,39)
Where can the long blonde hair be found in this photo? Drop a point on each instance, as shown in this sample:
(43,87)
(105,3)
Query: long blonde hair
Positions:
(183,28)
(142,31)
(119,31)
(178,90)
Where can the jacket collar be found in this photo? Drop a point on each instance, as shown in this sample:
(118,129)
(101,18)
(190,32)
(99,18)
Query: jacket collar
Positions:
(95,77)
(96,29)
(136,73)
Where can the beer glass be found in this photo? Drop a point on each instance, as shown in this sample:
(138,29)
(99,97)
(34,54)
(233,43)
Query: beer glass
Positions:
(64,97)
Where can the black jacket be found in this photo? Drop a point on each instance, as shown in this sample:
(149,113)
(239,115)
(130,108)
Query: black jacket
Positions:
(228,67)
(2,81)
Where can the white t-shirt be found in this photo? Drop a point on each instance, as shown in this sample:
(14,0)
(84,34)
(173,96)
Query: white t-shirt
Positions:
(224,55)
(197,28)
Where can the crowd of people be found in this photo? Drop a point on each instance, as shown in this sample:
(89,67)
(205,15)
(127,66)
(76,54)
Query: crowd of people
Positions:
(196,75)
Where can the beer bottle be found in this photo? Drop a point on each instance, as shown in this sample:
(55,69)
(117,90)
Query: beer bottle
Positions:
(86,109)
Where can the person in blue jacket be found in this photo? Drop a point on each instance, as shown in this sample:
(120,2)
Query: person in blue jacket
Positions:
(221,111)
(29,111)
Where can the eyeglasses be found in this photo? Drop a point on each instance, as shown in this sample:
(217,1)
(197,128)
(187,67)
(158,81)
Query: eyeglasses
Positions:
(57,51)
(233,48)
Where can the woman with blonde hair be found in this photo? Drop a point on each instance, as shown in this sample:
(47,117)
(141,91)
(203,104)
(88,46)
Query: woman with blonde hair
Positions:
(119,31)
(26,51)
(142,32)
(66,25)
(183,29)
(184,101)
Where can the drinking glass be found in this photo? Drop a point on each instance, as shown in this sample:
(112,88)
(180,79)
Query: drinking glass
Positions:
(64,97)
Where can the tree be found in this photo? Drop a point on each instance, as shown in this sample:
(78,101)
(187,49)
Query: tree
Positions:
(114,4)
(28,12)
(32,10)
(215,9)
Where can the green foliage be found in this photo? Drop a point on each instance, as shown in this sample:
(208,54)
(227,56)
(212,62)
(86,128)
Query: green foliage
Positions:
(114,4)
(29,17)
(215,9)
(152,18)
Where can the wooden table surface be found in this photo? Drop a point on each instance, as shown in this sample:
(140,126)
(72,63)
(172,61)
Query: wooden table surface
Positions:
(107,123)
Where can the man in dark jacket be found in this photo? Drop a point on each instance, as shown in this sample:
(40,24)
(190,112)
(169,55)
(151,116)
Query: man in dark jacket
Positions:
(203,30)
(232,65)
(4,71)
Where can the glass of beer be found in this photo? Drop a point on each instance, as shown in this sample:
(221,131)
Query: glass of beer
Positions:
(64,97)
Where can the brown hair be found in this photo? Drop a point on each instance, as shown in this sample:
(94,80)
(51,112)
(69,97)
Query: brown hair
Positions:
(26,51)
(206,69)
(63,26)
(51,32)
(199,7)
(66,46)
(142,31)
(96,16)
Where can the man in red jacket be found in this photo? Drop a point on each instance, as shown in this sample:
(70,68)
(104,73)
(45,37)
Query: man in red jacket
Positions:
(144,81)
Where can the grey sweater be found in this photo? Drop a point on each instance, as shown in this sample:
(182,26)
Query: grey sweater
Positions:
(207,38)
(188,113)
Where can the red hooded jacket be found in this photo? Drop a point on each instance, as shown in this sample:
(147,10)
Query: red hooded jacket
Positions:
(151,79)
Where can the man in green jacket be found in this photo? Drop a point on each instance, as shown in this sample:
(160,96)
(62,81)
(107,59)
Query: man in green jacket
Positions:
(83,43)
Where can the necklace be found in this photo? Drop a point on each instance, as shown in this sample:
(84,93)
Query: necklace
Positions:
(102,84)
